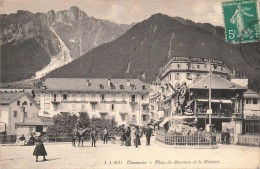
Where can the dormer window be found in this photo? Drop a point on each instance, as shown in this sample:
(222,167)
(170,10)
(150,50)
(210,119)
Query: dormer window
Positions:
(113,87)
(24,103)
(133,87)
(122,87)
(143,87)
(101,86)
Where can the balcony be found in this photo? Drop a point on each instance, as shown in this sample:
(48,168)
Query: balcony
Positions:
(55,101)
(145,112)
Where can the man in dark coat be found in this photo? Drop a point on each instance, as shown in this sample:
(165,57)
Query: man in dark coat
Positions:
(148,134)
(93,137)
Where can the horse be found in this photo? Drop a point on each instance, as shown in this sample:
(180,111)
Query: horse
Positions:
(78,134)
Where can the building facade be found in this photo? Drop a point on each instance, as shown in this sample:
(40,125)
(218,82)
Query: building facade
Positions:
(251,112)
(180,69)
(124,100)
(15,108)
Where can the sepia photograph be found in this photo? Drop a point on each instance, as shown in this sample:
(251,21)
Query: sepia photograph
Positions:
(130,84)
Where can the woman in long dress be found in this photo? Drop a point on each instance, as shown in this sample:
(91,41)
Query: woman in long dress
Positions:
(128,136)
(39,148)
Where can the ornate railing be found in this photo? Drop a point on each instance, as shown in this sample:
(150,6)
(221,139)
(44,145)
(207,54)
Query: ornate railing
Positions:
(250,140)
(196,139)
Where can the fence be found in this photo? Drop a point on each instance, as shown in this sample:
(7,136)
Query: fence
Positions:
(7,139)
(201,139)
(249,140)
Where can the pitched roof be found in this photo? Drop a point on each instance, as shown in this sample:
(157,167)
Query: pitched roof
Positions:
(80,84)
(37,120)
(251,94)
(7,98)
(217,82)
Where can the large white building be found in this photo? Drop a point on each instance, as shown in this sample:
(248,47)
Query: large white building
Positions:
(180,69)
(125,100)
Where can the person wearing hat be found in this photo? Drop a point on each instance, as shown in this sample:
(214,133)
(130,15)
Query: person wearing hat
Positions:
(138,134)
(148,134)
(39,148)
(93,135)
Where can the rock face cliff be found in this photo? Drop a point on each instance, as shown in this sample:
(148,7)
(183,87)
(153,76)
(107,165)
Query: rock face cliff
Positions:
(32,45)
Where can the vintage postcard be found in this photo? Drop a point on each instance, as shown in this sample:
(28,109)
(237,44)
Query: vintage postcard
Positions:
(113,84)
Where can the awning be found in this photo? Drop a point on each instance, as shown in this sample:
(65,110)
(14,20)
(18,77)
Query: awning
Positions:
(164,122)
(215,101)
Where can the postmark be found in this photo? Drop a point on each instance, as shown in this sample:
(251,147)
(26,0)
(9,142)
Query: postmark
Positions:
(241,21)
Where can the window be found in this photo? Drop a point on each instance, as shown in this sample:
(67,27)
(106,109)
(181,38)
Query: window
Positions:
(188,76)
(112,107)
(30,104)
(143,97)
(198,66)
(102,96)
(24,103)
(177,76)
(18,102)
(15,113)
(143,87)
(248,101)
(134,118)
(133,87)
(101,86)
(123,117)
(54,96)
(205,66)
(133,98)
(178,66)
(113,87)
(25,115)
(254,100)
(64,96)
(122,87)
(93,106)
(47,106)
(188,65)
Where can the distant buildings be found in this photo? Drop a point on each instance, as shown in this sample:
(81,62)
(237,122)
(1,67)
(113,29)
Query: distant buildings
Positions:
(15,108)
(124,100)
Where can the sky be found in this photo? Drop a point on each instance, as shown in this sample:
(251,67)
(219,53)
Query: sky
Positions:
(126,11)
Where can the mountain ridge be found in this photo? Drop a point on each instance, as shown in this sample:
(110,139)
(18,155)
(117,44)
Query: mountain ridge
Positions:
(147,46)
(79,33)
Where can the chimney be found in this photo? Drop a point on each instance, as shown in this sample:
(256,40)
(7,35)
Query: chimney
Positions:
(128,83)
(109,81)
(87,81)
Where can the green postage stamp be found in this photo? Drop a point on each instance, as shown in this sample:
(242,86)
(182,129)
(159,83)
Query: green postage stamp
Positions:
(241,21)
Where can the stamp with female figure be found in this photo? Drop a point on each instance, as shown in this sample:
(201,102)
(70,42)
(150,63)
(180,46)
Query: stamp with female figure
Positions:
(241,21)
